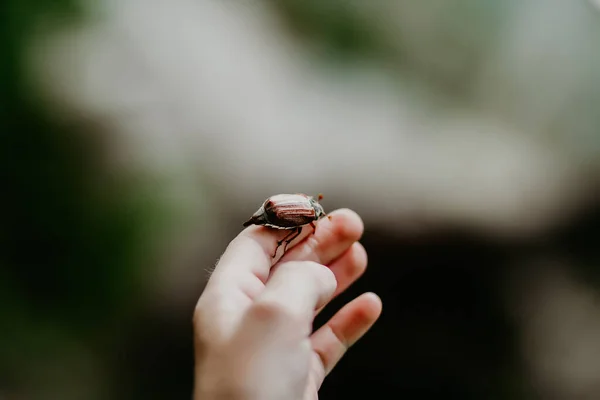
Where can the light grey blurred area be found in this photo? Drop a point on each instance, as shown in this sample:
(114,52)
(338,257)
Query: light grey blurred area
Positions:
(481,115)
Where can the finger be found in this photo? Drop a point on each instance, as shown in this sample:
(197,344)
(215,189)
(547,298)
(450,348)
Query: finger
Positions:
(331,238)
(348,268)
(247,260)
(244,268)
(237,279)
(293,293)
(342,331)
(252,250)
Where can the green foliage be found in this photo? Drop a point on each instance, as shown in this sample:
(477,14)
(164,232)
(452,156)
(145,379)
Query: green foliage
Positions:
(74,237)
(333,24)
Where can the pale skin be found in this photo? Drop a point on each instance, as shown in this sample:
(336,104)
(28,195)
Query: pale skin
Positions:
(253,322)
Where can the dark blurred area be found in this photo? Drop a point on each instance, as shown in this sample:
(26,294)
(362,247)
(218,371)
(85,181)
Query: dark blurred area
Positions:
(137,136)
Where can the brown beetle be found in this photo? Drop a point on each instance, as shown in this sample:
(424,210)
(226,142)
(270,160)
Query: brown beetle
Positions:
(288,211)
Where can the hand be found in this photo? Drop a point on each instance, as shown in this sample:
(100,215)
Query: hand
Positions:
(253,322)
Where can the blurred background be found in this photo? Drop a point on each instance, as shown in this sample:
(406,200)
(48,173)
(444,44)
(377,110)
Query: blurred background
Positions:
(137,136)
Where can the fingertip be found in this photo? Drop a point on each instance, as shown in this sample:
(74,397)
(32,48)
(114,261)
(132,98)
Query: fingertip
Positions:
(324,275)
(347,223)
(345,328)
(351,265)
(361,259)
(363,312)
(373,306)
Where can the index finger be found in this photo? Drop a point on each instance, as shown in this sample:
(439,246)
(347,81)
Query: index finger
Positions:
(238,279)
(249,255)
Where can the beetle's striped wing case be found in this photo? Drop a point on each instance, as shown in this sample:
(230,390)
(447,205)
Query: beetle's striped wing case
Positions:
(289,211)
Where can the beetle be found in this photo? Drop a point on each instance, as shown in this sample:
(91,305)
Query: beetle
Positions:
(288,211)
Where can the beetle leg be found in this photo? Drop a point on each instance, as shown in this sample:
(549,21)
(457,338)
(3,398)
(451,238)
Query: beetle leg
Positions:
(280,242)
(298,231)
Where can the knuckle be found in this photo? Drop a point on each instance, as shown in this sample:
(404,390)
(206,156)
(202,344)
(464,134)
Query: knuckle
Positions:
(203,319)
(320,274)
(202,335)
(324,276)
(199,311)
(352,225)
(272,310)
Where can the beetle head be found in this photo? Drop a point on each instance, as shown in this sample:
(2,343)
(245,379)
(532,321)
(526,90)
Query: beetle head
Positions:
(319,211)
(258,218)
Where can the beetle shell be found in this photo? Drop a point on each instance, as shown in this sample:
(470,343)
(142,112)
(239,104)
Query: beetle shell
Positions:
(287,211)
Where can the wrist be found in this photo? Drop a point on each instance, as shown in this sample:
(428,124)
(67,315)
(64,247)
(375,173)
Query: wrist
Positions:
(214,386)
